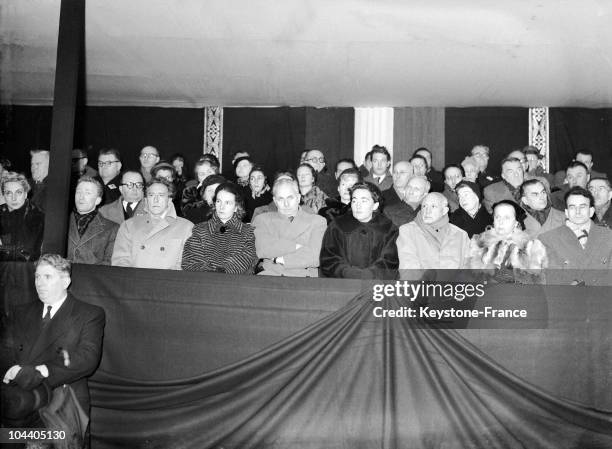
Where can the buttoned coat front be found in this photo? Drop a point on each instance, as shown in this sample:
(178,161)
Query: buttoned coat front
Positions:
(96,244)
(144,242)
(533,227)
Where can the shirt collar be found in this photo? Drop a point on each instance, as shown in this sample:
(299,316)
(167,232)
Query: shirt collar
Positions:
(54,307)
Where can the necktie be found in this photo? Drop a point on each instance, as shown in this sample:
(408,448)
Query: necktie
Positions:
(47,318)
(378,180)
(129,210)
(582,238)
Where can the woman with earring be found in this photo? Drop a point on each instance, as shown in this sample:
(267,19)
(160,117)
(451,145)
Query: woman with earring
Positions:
(224,243)
(505,250)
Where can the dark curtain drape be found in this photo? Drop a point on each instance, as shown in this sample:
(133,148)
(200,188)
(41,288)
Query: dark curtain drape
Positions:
(126,128)
(275,137)
(501,129)
(196,360)
(573,129)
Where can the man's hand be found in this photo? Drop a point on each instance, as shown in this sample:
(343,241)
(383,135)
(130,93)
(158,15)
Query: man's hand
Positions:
(11,373)
(28,377)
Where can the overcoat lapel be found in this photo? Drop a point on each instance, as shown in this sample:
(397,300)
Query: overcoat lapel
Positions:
(59,324)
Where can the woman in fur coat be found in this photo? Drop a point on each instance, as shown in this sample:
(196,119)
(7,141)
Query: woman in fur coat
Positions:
(505,251)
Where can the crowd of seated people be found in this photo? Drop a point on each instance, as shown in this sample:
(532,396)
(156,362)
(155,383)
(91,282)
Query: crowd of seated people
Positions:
(379,220)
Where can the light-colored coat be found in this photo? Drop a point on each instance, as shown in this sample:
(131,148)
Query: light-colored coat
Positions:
(417,251)
(144,242)
(569,262)
(96,244)
(533,227)
(276,236)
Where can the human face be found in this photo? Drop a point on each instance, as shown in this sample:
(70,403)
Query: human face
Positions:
(362,205)
(203,171)
(243,169)
(257,181)
(39,166)
(178,165)
(402,172)
(78,162)
(166,174)
(108,166)
(513,173)
(368,164)
(287,200)
(586,159)
(316,159)
(471,172)
(158,199)
(532,161)
(86,197)
(416,190)
(225,205)
(135,193)
(601,192)
(468,200)
(535,196)
(577,176)
(149,156)
(452,176)
(521,157)
(341,167)
(577,209)
(504,220)
(346,182)
(304,177)
(14,195)
(482,157)
(419,166)
(380,164)
(426,155)
(209,193)
(433,208)
(51,284)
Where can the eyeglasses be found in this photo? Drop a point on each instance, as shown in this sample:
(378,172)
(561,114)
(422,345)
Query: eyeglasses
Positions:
(148,155)
(133,185)
(316,159)
(106,164)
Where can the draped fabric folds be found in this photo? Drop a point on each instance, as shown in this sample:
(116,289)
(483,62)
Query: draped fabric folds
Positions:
(347,381)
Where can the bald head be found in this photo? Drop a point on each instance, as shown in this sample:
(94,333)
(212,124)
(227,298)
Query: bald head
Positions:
(416,189)
(402,172)
(433,207)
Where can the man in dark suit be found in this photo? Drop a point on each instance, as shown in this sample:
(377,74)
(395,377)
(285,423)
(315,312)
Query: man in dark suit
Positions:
(580,252)
(509,187)
(602,194)
(91,237)
(54,343)
(130,202)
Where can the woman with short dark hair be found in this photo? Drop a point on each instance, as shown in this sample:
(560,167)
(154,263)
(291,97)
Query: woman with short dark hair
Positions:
(361,243)
(224,243)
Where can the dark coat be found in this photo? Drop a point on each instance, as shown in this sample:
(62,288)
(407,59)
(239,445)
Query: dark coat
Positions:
(472,226)
(333,208)
(436,180)
(38,193)
(111,190)
(390,197)
(352,249)
(77,327)
(327,183)
(250,203)
(401,213)
(96,244)
(606,220)
(21,232)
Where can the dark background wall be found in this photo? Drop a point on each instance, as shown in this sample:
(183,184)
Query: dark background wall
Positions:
(501,129)
(125,128)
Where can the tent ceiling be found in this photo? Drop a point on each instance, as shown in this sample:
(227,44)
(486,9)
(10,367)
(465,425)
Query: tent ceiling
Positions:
(319,52)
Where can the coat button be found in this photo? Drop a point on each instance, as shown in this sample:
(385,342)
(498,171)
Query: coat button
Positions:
(142,246)
(162,248)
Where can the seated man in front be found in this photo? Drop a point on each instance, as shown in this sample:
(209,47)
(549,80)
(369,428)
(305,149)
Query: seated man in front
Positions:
(361,243)
(289,240)
(579,252)
(155,239)
(430,241)
(91,237)
(50,344)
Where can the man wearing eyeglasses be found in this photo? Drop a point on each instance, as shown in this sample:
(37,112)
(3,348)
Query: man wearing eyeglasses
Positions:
(149,156)
(325,181)
(109,168)
(541,216)
(580,252)
(129,203)
(156,239)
